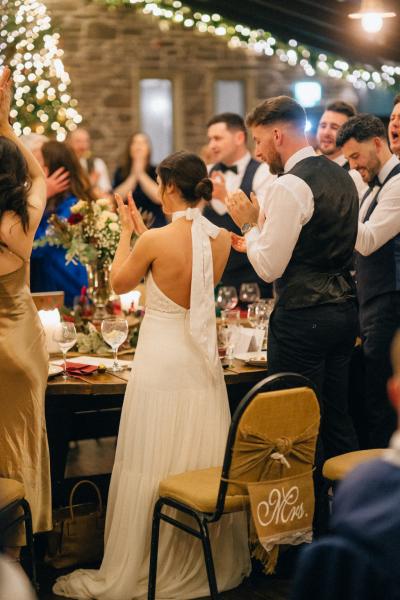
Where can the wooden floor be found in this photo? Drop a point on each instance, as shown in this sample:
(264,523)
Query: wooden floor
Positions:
(95,458)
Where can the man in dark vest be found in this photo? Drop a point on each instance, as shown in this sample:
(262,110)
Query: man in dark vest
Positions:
(364,143)
(234,168)
(305,246)
(334,116)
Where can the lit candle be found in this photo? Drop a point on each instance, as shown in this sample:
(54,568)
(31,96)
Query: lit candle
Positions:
(130,300)
(50,319)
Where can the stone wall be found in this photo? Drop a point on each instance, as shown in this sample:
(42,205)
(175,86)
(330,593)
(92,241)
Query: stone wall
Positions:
(107,52)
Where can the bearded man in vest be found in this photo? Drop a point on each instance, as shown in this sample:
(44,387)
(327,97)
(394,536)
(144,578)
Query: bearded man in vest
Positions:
(364,143)
(305,247)
(234,168)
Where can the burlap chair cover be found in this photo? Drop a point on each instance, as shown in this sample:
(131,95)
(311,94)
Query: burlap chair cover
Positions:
(276,439)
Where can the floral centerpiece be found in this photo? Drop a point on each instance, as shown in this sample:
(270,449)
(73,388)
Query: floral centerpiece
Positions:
(89,235)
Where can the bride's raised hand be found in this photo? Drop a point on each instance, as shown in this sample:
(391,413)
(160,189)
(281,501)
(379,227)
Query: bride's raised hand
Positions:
(5,95)
(125,217)
(139,226)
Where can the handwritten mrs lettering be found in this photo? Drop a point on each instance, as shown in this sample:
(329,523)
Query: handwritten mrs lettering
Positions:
(281,507)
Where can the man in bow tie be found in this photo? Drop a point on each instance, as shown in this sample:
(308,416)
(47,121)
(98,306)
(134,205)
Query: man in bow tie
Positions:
(364,143)
(234,168)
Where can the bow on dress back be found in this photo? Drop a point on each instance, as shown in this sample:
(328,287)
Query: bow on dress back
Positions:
(202,308)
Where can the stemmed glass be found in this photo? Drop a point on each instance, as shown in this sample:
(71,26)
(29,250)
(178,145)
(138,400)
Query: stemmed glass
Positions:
(227,297)
(249,292)
(115,331)
(65,336)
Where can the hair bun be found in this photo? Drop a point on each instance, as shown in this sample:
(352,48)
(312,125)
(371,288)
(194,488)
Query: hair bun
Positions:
(204,189)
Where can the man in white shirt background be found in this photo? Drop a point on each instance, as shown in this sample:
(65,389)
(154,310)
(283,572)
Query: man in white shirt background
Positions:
(394,127)
(234,168)
(305,246)
(334,116)
(80,142)
(364,143)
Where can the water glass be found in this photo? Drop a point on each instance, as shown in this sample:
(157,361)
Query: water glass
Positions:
(65,336)
(115,331)
(249,292)
(227,298)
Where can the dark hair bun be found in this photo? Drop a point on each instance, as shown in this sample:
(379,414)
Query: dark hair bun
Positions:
(204,189)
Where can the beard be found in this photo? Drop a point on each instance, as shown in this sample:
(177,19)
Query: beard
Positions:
(274,161)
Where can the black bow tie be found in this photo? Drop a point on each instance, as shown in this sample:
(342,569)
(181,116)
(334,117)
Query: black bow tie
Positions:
(224,168)
(374,181)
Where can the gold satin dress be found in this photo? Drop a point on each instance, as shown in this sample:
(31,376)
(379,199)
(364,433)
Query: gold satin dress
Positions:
(24,453)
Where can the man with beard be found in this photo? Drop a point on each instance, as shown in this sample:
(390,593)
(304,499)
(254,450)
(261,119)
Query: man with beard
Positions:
(364,143)
(305,246)
(335,115)
(394,127)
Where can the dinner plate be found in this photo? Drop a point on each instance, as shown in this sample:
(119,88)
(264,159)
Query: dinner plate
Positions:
(245,356)
(257,361)
(54,370)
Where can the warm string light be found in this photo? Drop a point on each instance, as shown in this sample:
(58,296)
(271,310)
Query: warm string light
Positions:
(42,103)
(262,42)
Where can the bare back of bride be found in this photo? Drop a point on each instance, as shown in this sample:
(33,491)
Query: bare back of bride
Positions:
(175,415)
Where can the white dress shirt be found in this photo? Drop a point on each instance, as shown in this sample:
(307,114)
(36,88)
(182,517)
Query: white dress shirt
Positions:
(384,222)
(103,182)
(355,175)
(262,179)
(289,205)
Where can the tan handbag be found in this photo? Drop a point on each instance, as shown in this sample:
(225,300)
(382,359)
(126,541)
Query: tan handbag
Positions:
(78,532)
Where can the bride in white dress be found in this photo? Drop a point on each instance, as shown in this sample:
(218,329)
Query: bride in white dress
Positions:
(175,415)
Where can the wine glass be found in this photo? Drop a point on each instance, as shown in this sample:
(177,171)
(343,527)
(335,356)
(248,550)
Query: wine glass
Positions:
(249,292)
(227,297)
(115,331)
(65,336)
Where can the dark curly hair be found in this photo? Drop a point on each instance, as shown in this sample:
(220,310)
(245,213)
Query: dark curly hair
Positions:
(361,127)
(14,181)
(189,173)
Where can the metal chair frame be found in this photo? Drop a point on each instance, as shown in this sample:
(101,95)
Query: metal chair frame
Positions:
(25,518)
(272,383)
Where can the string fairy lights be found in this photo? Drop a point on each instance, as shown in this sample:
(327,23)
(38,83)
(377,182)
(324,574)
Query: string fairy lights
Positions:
(42,103)
(293,53)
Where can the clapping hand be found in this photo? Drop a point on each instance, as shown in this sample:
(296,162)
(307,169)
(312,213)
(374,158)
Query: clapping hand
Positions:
(57,182)
(241,209)
(5,96)
(130,217)
(219,188)
(238,243)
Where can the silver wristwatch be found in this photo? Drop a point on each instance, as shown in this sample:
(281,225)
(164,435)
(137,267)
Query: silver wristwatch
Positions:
(246,227)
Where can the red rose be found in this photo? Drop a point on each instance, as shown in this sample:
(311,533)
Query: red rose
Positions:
(73,219)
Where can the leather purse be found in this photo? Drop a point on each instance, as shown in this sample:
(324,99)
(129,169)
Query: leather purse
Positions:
(78,532)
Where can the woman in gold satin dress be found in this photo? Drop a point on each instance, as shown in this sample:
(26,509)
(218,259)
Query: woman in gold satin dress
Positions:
(23,357)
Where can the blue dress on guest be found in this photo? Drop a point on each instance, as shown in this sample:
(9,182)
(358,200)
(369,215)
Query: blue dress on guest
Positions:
(49,273)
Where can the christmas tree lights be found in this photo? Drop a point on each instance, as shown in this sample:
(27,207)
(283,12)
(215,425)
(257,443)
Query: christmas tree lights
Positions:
(42,102)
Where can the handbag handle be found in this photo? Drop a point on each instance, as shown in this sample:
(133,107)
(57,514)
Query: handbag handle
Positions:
(72,494)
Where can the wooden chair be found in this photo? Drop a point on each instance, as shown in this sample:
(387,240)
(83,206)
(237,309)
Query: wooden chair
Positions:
(15,509)
(280,408)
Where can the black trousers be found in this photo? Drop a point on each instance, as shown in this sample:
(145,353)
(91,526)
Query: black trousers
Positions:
(317,342)
(379,320)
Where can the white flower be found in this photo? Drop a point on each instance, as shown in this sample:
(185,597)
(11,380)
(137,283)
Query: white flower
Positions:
(114,226)
(113,217)
(100,224)
(103,202)
(107,214)
(79,207)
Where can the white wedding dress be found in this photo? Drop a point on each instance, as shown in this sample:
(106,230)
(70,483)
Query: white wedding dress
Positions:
(175,418)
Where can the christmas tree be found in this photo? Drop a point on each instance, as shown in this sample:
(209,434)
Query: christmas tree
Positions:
(28,44)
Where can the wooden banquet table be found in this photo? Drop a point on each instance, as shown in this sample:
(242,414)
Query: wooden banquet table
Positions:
(89,406)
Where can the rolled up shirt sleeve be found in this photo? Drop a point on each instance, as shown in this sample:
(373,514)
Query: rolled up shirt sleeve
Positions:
(289,205)
(384,222)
